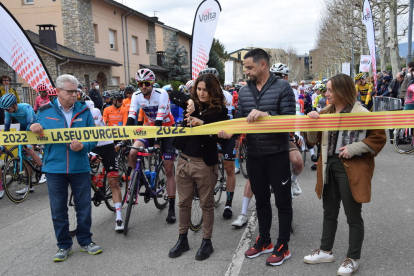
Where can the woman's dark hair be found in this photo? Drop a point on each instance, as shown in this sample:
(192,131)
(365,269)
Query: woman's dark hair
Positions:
(344,89)
(214,91)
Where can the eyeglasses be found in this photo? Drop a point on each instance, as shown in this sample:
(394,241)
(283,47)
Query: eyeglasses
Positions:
(146,83)
(105,98)
(7,80)
(130,92)
(120,100)
(8,109)
(44,91)
(70,92)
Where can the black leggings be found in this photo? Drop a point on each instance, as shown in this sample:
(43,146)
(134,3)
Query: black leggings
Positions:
(272,170)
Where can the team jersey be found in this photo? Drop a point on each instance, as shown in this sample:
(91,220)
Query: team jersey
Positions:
(320,102)
(228,101)
(113,116)
(143,118)
(99,122)
(25,115)
(126,103)
(157,107)
(365,91)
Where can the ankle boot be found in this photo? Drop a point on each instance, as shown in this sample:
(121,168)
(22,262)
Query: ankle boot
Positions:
(180,247)
(205,250)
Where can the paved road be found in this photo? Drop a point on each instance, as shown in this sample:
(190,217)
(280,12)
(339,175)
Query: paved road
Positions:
(27,242)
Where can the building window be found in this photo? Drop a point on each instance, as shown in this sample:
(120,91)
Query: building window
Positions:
(135,45)
(113,45)
(95,29)
(28,2)
(148,46)
(115,81)
(310,58)
(311,66)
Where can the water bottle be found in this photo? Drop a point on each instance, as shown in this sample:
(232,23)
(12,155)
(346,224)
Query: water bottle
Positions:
(148,175)
(153,176)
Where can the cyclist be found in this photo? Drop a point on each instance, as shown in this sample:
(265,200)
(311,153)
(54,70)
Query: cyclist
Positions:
(106,150)
(189,87)
(176,111)
(229,150)
(302,87)
(129,90)
(43,97)
(282,71)
(364,90)
(25,115)
(107,99)
(155,104)
(321,101)
(115,115)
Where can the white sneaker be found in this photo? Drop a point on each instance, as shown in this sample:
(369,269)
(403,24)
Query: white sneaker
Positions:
(236,170)
(119,226)
(318,256)
(23,191)
(348,267)
(240,221)
(1,194)
(295,188)
(43,179)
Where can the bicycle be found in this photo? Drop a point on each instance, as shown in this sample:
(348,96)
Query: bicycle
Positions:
(196,212)
(403,140)
(221,182)
(17,174)
(102,192)
(156,190)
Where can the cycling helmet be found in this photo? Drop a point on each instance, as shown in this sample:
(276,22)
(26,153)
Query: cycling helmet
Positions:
(41,87)
(228,83)
(189,85)
(313,82)
(129,88)
(181,88)
(8,101)
(360,76)
(302,82)
(167,87)
(117,96)
(81,96)
(145,75)
(210,71)
(322,88)
(279,68)
(308,90)
(156,85)
(106,94)
(52,91)
(294,84)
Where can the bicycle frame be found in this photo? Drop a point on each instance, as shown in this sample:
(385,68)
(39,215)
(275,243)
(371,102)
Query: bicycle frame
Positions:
(139,169)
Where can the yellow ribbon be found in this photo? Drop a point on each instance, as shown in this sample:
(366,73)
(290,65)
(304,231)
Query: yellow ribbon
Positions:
(271,124)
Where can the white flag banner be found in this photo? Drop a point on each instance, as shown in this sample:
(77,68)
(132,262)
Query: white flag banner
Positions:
(365,63)
(369,23)
(346,68)
(229,65)
(18,52)
(204,28)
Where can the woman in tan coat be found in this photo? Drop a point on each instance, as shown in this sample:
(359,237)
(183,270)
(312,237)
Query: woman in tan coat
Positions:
(344,175)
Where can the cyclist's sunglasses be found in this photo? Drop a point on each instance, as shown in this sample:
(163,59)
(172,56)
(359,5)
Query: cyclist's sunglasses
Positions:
(8,109)
(105,98)
(120,100)
(147,83)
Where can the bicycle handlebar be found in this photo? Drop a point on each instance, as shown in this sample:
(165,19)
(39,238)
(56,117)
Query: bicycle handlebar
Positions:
(145,150)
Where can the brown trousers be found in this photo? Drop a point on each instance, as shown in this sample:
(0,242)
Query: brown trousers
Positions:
(191,172)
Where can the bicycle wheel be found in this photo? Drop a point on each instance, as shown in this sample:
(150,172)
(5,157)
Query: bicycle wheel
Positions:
(161,199)
(243,159)
(218,189)
(123,182)
(196,212)
(16,179)
(71,213)
(132,194)
(303,153)
(403,140)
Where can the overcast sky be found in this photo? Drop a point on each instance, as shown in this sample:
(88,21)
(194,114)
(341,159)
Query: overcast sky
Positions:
(242,23)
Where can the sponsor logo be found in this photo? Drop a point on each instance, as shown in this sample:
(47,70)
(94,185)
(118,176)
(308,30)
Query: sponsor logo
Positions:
(207,16)
(78,120)
(140,132)
(283,183)
(365,61)
(367,15)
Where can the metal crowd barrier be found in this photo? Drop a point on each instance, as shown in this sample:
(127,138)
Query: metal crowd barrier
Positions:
(386,104)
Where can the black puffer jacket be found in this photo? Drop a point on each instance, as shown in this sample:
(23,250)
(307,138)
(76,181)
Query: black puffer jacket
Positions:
(277,98)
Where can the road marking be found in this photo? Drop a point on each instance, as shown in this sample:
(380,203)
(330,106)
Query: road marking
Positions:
(238,257)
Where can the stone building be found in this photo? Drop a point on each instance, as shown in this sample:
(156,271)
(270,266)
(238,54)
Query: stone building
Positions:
(94,30)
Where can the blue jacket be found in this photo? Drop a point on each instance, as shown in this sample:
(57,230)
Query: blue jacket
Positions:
(59,158)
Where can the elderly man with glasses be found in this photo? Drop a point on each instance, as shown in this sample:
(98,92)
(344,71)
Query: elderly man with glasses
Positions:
(66,164)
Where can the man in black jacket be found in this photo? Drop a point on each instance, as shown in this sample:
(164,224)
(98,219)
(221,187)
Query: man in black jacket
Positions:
(268,162)
(95,95)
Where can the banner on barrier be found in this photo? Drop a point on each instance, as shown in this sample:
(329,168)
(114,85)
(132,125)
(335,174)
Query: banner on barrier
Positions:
(364,63)
(271,124)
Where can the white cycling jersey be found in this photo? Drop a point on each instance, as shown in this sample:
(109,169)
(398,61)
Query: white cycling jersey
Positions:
(97,117)
(228,101)
(157,107)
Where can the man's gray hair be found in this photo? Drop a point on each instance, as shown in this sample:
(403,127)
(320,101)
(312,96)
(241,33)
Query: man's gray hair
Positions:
(61,80)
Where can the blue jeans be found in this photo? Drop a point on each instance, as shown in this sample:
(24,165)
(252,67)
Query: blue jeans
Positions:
(57,185)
